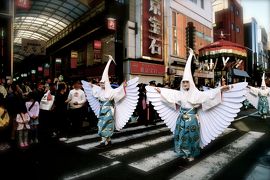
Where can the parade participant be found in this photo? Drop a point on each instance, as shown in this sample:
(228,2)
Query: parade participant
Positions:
(183,111)
(113,107)
(259,98)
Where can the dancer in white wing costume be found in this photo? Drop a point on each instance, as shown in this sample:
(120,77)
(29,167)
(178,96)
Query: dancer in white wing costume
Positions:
(113,107)
(259,98)
(196,118)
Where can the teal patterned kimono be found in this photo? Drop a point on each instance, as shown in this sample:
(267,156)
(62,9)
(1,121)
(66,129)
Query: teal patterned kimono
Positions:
(186,134)
(106,121)
(263,106)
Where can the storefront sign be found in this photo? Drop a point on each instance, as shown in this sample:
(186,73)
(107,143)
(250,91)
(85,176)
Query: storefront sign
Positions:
(97,44)
(40,69)
(46,72)
(146,68)
(23,4)
(73,59)
(32,46)
(152,28)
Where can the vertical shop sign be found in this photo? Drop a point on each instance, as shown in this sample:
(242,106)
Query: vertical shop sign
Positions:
(73,59)
(152,28)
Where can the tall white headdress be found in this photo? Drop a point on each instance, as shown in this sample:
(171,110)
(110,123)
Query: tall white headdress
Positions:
(187,75)
(263,80)
(105,75)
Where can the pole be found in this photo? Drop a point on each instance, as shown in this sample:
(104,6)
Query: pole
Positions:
(11,8)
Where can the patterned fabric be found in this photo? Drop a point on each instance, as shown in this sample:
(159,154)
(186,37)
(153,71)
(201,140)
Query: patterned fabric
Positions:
(263,106)
(105,121)
(186,134)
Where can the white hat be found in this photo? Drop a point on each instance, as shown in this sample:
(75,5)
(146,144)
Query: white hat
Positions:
(263,80)
(187,75)
(105,75)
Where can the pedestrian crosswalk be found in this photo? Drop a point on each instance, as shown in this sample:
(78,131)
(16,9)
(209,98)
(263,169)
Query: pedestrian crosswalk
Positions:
(155,146)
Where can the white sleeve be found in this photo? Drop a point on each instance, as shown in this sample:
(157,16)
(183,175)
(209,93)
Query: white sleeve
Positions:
(171,97)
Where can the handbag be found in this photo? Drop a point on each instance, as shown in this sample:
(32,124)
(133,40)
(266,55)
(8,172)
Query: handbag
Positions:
(47,101)
(4,117)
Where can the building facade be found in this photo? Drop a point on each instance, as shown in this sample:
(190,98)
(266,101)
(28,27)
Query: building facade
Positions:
(228,18)
(251,43)
(189,25)
(262,48)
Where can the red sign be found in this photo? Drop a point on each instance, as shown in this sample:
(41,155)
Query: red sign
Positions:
(146,68)
(111,23)
(152,23)
(46,71)
(23,4)
(97,44)
(73,63)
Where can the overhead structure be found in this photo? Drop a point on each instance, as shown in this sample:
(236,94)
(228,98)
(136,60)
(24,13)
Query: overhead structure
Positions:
(225,58)
(43,20)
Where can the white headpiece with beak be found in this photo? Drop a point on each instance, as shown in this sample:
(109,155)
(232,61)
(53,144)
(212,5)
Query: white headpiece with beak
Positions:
(105,75)
(263,80)
(187,75)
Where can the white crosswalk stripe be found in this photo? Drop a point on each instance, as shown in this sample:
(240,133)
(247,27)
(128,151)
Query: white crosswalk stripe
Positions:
(91,136)
(203,169)
(79,175)
(150,163)
(89,146)
(132,148)
(206,168)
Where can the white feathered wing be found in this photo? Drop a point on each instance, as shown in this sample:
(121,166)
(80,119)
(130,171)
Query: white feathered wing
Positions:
(212,121)
(253,99)
(126,106)
(215,120)
(168,114)
(93,101)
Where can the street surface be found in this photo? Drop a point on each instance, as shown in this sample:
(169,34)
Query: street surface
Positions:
(140,152)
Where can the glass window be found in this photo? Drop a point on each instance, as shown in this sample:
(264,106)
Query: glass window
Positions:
(174,18)
(202,4)
(194,1)
(237,12)
(232,26)
(231,7)
(237,29)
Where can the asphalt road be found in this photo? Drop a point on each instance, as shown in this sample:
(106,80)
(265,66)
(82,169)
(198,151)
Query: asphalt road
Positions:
(142,152)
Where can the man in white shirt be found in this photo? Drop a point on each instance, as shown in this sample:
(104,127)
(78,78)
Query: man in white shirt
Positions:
(76,100)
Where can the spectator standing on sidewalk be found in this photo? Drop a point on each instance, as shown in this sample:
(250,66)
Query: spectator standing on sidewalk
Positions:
(61,111)
(76,100)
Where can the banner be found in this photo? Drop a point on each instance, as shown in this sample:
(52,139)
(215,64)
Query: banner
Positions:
(32,46)
(73,59)
(23,4)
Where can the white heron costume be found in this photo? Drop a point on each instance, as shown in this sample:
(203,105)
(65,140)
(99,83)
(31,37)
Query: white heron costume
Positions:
(259,98)
(183,110)
(113,107)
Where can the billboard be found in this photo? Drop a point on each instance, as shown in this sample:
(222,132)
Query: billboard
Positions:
(152,31)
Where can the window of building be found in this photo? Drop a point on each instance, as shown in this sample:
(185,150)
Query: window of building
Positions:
(194,1)
(237,29)
(237,12)
(232,26)
(231,7)
(173,18)
(202,4)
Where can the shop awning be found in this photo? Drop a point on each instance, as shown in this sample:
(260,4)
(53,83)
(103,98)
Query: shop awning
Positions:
(237,72)
(223,48)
